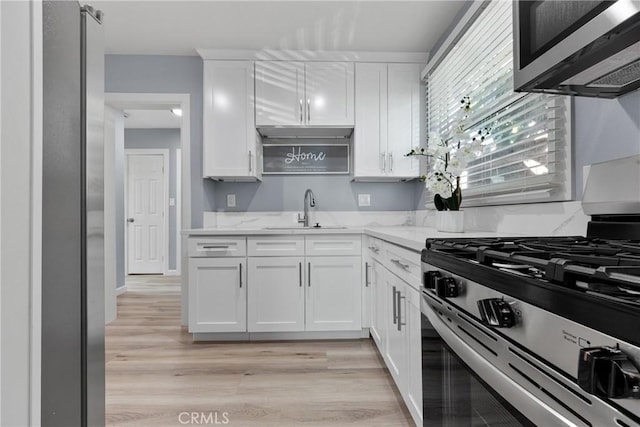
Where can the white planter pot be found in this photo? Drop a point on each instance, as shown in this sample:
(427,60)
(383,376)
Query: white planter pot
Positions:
(450,221)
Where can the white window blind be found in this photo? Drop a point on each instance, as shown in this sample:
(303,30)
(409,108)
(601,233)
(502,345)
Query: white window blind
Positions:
(526,157)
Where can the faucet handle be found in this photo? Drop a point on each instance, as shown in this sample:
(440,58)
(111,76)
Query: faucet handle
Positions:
(301,219)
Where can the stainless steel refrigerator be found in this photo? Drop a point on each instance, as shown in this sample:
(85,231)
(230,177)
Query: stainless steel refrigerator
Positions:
(73,386)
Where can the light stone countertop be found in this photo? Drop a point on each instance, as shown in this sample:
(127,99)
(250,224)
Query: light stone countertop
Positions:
(407,236)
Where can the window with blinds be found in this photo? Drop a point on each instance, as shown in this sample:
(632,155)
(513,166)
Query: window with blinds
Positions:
(526,156)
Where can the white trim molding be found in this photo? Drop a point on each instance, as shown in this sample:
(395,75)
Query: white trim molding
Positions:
(143,100)
(311,55)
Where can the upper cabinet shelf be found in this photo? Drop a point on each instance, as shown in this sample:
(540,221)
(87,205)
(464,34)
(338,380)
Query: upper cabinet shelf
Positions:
(308,94)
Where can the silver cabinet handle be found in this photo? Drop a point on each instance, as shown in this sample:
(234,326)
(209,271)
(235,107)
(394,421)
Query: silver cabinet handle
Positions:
(395,306)
(308,111)
(366,274)
(301,117)
(400,322)
(399,264)
(300,272)
(391,162)
(240,274)
(215,247)
(250,162)
(130,220)
(309,275)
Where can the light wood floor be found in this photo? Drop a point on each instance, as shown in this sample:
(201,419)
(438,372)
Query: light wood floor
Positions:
(155,374)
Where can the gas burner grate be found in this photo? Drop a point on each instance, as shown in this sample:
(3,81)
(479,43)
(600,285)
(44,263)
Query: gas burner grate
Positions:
(561,260)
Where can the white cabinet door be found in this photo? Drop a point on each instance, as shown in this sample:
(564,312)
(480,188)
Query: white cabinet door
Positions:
(395,346)
(329,91)
(229,134)
(276,294)
(280,98)
(217,295)
(413,345)
(379,307)
(404,118)
(334,294)
(370,134)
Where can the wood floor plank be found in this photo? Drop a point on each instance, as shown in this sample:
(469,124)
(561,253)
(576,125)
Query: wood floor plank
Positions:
(155,375)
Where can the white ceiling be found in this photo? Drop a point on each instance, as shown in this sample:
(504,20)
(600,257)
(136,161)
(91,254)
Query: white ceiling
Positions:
(178,27)
(151,119)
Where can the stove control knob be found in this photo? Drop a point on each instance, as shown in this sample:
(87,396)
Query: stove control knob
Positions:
(446,287)
(497,313)
(608,372)
(430,278)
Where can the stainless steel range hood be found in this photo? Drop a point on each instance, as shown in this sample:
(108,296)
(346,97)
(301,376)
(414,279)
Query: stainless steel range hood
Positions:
(305,131)
(612,188)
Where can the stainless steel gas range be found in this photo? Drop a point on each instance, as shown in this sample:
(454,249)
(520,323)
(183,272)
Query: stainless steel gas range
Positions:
(537,331)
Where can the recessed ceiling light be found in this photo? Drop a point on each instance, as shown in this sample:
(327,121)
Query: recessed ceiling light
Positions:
(177,111)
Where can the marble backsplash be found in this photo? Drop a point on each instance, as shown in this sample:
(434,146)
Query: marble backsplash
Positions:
(535,219)
(289,218)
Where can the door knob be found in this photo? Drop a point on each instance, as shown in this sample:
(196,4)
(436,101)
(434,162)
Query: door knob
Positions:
(130,220)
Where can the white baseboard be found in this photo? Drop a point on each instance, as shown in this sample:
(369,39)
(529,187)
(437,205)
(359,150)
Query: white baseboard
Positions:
(276,336)
(121,290)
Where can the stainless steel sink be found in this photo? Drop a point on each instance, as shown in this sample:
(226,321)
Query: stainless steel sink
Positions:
(323,227)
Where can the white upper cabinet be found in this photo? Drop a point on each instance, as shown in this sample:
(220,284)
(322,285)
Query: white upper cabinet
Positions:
(329,89)
(388,122)
(370,134)
(304,94)
(279,93)
(403,118)
(230,148)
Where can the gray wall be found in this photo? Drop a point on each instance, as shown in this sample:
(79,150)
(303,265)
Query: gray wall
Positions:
(604,129)
(333,193)
(167,74)
(160,138)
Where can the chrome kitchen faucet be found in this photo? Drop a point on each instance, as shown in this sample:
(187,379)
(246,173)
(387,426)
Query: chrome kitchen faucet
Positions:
(308,195)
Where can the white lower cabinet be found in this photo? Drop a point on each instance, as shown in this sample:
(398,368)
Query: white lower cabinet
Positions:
(217,295)
(413,340)
(334,293)
(395,350)
(396,326)
(276,294)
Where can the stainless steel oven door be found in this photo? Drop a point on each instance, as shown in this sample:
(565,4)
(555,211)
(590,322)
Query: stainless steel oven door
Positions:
(472,391)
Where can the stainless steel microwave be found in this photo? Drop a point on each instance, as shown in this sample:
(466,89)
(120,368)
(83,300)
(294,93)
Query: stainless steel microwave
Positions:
(587,48)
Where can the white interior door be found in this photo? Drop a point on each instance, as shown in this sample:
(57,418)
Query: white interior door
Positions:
(145,213)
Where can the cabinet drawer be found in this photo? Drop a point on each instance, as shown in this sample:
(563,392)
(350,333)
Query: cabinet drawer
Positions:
(217,246)
(333,245)
(373,247)
(276,246)
(403,263)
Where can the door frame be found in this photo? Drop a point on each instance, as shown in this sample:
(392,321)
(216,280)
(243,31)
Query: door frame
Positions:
(164,152)
(144,100)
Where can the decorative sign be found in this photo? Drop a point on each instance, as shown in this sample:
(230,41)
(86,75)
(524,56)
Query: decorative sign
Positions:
(305,158)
